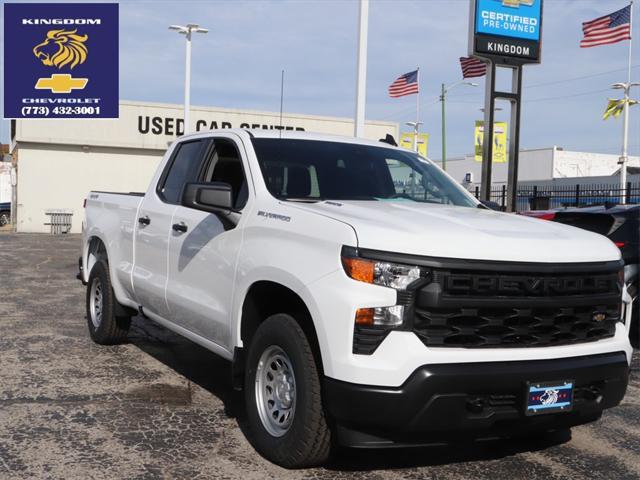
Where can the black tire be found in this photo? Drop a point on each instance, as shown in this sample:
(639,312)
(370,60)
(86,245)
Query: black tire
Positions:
(5,218)
(109,329)
(307,442)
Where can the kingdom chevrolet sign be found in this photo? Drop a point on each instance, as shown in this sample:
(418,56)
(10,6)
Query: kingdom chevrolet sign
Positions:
(506,31)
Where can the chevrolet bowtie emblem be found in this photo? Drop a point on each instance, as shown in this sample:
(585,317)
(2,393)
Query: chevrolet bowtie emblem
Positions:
(517,3)
(61,83)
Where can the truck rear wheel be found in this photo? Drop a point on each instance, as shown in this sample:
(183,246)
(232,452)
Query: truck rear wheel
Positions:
(283,396)
(105,327)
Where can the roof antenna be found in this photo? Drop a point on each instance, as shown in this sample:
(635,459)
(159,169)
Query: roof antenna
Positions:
(281,100)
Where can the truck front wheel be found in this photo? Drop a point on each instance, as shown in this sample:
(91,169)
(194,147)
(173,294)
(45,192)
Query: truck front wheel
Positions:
(283,396)
(105,327)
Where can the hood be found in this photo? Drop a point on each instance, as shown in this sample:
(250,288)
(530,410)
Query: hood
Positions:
(462,232)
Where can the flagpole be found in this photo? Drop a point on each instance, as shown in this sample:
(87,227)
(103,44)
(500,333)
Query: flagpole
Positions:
(625,126)
(415,130)
(631,39)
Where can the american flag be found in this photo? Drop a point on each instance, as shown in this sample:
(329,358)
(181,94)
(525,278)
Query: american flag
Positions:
(472,67)
(406,84)
(608,29)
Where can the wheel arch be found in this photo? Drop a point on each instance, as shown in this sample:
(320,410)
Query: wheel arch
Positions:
(95,251)
(264,298)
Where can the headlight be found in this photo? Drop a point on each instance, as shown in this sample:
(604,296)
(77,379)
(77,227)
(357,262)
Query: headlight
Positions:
(387,274)
(393,275)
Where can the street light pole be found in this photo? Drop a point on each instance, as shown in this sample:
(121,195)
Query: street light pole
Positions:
(625,137)
(187,31)
(361,80)
(416,132)
(443,97)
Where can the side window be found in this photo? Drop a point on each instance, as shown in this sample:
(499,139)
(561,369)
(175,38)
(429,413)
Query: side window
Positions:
(225,165)
(184,168)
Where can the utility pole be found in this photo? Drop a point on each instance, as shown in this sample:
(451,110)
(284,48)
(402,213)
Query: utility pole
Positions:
(187,31)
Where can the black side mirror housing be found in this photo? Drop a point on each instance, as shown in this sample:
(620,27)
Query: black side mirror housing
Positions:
(212,197)
(490,205)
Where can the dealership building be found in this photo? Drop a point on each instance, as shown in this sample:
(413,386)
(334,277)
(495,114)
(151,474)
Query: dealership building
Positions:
(59,161)
(541,165)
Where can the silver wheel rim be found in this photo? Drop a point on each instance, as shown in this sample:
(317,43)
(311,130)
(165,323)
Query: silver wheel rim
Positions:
(95,302)
(275,391)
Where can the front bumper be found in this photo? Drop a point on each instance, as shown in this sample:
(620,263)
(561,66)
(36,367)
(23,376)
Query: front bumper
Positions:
(476,400)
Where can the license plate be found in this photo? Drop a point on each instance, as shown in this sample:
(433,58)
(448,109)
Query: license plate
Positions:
(549,397)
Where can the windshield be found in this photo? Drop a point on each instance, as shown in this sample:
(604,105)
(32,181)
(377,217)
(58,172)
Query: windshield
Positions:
(308,170)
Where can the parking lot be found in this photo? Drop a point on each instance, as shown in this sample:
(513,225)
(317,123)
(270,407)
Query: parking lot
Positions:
(162,407)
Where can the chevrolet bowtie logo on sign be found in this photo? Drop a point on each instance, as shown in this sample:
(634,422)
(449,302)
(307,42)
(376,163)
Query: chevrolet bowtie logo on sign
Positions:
(517,3)
(63,60)
(61,83)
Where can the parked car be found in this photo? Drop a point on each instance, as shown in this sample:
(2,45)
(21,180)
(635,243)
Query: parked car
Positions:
(5,213)
(621,224)
(360,294)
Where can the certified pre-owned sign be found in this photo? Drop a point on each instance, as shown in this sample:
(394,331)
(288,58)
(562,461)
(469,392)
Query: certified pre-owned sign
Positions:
(60,60)
(508,31)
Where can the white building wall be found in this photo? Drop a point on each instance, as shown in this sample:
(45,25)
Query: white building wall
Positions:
(534,165)
(542,164)
(155,125)
(585,164)
(5,182)
(53,177)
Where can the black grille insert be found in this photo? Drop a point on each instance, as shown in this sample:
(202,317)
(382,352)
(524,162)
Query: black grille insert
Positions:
(514,327)
(367,339)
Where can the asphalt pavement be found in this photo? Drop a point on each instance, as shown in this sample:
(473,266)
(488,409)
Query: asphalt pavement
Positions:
(163,407)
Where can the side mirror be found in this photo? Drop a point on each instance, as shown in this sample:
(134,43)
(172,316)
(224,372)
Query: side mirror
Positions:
(490,205)
(213,197)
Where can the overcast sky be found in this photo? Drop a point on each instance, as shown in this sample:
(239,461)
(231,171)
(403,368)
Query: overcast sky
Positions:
(238,63)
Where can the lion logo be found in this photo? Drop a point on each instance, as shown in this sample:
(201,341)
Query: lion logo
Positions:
(549,397)
(61,48)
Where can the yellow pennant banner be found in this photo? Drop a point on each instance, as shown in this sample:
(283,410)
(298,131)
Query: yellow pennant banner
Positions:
(406,141)
(616,107)
(499,141)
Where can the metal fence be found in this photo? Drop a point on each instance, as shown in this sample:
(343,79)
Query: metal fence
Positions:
(534,197)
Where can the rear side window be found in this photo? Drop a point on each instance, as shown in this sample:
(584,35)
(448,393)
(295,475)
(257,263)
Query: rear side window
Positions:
(184,168)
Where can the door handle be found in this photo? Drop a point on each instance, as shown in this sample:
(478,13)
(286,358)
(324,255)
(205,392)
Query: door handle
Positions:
(179,227)
(144,220)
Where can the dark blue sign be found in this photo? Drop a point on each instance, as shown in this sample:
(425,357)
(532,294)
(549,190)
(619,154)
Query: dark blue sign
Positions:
(509,18)
(60,60)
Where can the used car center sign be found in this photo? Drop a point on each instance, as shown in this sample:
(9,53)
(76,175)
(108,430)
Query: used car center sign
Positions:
(506,31)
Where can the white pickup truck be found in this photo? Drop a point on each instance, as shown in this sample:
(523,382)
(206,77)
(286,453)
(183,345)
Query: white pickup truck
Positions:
(362,296)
